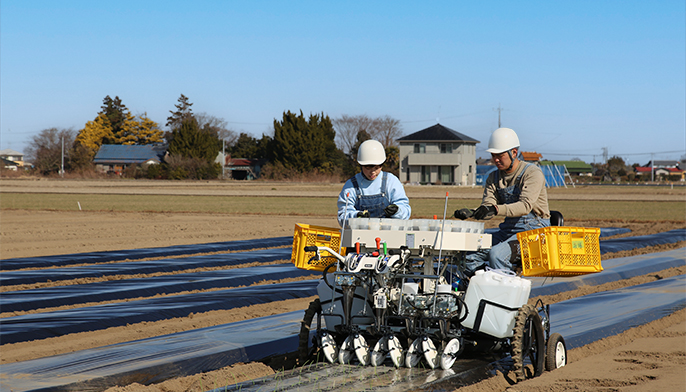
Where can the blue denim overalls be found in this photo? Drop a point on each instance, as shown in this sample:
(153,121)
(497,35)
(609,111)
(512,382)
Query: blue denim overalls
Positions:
(501,251)
(375,204)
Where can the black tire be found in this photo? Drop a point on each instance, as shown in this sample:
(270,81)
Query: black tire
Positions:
(556,352)
(306,348)
(528,344)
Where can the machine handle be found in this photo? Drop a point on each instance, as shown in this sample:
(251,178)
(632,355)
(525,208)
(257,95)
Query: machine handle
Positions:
(310,249)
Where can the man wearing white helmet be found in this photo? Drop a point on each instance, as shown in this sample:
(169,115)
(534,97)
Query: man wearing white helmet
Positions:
(515,191)
(372,193)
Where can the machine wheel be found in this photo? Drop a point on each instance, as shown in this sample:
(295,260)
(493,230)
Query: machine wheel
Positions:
(528,344)
(430,352)
(378,354)
(328,347)
(306,349)
(361,349)
(450,353)
(414,353)
(556,353)
(347,350)
(395,350)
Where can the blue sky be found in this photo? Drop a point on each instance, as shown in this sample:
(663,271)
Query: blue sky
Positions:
(571,77)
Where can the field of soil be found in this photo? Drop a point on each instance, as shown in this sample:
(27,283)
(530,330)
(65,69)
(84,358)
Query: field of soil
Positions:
(650,357)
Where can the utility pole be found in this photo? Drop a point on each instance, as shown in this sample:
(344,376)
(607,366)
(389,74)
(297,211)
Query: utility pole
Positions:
(62,166)
(499,109)
(223,156)
(652,167)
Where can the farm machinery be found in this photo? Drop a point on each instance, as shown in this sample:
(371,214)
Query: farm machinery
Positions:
(397,290)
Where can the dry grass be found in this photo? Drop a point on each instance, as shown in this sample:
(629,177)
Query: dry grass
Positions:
(319,206)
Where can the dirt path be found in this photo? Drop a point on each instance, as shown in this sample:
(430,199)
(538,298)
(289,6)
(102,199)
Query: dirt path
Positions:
(637,360)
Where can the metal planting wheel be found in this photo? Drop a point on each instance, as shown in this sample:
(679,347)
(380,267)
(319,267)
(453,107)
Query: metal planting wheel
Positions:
(528,344)
(414,353)
(450,353)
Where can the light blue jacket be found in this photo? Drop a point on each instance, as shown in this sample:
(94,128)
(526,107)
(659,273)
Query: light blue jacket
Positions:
(395,193)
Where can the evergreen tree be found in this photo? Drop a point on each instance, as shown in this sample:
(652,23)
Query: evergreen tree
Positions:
(183,111)
(249,147)
(117,114)
(301,144)
(189,141)
(94,134)
(141,130)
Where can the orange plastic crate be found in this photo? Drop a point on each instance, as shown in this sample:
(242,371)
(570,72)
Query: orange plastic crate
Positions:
(310,235)
(560,251)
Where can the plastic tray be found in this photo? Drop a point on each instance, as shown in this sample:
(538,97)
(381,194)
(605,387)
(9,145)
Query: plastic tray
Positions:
(310,235)
(560,251)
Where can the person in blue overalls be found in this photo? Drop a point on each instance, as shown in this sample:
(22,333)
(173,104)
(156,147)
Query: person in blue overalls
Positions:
(515,191)
(372,193)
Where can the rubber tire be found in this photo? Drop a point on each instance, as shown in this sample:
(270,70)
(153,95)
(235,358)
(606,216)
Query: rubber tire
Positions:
(555,342)
(528,322)
(306,350)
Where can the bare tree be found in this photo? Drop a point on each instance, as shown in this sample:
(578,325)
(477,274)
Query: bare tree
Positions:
(387,130)
(218,126)
(45,149)
(384,129)
(347,128)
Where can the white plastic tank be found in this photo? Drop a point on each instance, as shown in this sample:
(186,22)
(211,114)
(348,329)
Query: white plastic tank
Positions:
(359,308)
(497,286)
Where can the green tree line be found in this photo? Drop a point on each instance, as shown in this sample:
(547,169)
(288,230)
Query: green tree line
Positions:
(299,145)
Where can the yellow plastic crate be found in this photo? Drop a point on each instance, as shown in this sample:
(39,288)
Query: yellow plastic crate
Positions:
(310,235)
(560,251)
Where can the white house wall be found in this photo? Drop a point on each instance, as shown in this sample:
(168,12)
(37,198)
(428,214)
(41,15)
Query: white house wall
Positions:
(462,158)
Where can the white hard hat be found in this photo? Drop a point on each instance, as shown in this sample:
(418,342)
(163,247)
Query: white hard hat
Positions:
(371,152)
(502,139)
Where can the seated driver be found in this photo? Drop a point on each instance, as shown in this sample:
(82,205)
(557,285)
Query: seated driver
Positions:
(372,193)
(515,191)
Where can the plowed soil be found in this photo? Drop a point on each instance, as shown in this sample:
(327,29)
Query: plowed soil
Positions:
(650,357)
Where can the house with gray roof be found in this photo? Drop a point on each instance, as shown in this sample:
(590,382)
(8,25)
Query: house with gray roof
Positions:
(15,157)
(117,157)
(438,155)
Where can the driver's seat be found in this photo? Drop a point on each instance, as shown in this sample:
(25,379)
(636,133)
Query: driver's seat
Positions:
(556,219)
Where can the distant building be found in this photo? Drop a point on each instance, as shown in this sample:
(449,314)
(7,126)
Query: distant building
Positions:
(574,168)
(114,158)
(663,164)
(661,170)
(668,172)
(438,155)
(530,156)
(242,168)
(9,165)
(13,156)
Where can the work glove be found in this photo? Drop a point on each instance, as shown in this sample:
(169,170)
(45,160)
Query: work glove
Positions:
(363,214)
(390,210)
(463,213)
(485,212)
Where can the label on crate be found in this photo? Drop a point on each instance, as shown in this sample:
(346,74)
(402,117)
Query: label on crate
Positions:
(578,246)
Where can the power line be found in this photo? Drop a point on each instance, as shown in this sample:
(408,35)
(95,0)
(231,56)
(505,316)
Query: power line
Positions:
(618,154)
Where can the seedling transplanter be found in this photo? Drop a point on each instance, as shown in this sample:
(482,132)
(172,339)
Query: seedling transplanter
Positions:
(396,291)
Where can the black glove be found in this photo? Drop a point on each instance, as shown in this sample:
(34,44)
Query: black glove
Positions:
(390,210)
(463,213)
(485,212)
(363,214)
